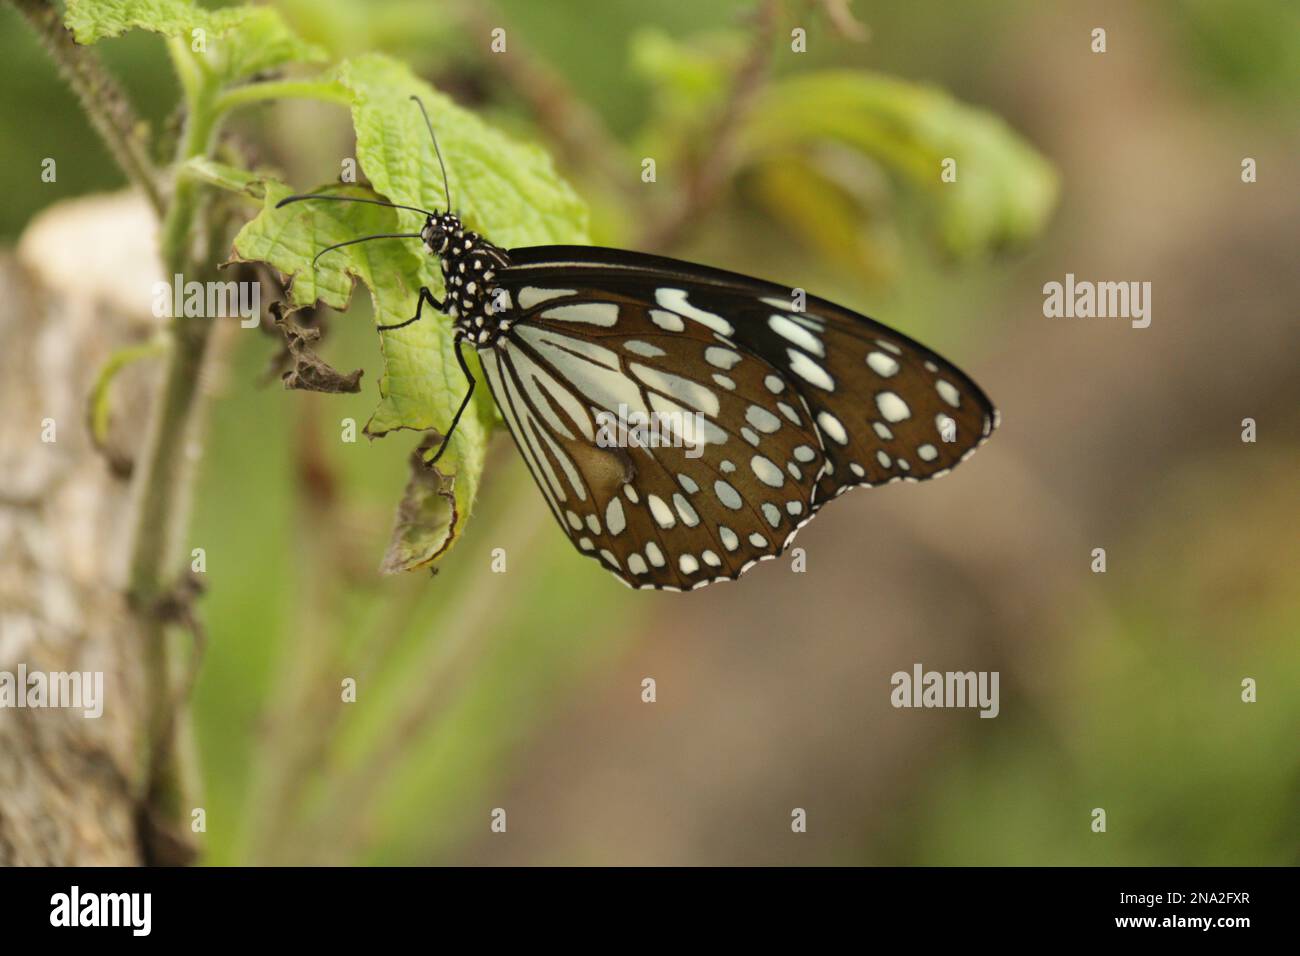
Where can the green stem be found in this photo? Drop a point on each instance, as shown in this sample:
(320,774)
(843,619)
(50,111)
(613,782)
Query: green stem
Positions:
(163,483)
(326,91)
(188,70)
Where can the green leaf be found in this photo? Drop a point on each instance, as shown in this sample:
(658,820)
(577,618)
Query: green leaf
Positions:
(1004,191)
(837,211)
(94,20)
(98,406)
(504,189)
(422,385)
(428,515)
(261,41)
(691,74)
(223,176)
(239,41)
(688,80)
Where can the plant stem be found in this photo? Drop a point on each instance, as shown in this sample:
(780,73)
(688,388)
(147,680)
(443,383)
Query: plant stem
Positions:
(283,89)
(102,99)
(709,172)
(163,483)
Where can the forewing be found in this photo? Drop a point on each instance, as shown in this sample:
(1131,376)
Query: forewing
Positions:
(885,407)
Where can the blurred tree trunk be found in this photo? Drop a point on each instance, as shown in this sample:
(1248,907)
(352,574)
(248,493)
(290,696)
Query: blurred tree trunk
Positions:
(78,288)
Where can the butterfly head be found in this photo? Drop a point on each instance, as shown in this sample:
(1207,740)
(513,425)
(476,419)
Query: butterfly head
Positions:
(439,231)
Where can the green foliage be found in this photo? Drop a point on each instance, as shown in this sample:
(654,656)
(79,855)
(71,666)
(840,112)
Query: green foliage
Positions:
(502,187)
(505,189)
(685,77)
(240,41)
(811,145)
(94,20)
(1249,46)
(1004,191)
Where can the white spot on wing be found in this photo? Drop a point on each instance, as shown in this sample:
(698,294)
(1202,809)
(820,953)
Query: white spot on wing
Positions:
(796,334)
(893,408)
(689,516)
(675,299)
(766,471)
(591,313)
(882,364)
(667,321)
(832,427)
(644,349)
(663,515)
(762,419)
(530,296)
(810,371)
(685,390)
(615,520)
(728,495)
(719,357)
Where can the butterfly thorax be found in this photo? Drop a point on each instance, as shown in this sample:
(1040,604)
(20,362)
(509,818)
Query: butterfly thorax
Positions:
(470,265)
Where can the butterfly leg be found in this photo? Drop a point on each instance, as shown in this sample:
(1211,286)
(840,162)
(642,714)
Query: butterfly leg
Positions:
(425,296)
(464,402)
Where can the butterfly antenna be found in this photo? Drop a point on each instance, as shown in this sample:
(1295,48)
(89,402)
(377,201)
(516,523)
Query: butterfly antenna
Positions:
(352,242)
(446,183)
(371,202)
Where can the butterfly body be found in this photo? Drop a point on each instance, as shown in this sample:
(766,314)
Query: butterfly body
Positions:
(470,265)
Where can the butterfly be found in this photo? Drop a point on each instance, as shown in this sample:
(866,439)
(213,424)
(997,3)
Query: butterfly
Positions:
(683,422)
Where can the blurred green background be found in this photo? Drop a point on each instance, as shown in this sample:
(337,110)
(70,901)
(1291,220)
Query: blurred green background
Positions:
(523,691)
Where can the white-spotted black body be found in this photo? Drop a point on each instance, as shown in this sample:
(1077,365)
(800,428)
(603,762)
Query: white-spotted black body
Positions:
(470,265)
